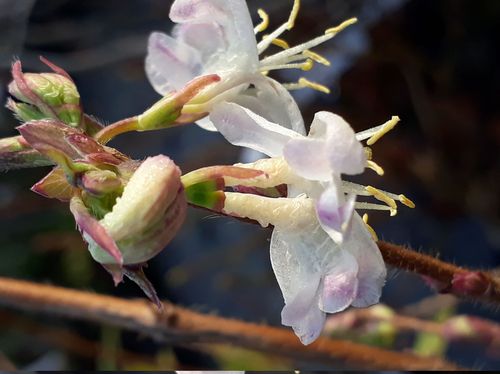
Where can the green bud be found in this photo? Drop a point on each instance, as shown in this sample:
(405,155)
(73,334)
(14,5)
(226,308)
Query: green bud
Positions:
(45,96)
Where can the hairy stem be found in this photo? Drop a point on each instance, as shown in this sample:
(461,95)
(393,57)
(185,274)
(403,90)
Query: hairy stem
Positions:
(445,277)
(184,325)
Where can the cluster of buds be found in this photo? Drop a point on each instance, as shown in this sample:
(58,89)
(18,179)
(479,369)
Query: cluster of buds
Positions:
(127,210)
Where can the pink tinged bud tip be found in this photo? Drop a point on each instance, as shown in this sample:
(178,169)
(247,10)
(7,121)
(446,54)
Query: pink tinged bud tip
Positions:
(470,283)
(90,226)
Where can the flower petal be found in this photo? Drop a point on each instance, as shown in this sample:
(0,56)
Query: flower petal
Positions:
(340,285)
(170,63)
(94,232)
(307,158)
(276,104)
(372,271)
(242,127)
(335,211)
(234,21)
(345,152)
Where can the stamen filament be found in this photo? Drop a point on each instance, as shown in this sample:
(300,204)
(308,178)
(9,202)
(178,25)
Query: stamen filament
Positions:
(370,206)
(264,23)
(329,33)
(305,66)
(358,189)
(288,25)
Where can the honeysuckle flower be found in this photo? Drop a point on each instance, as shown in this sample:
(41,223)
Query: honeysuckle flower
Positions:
(217,37)
(127,211)
(322,253)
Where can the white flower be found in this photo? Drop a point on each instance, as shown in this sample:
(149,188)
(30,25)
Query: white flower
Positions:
(217,37)
(322,253)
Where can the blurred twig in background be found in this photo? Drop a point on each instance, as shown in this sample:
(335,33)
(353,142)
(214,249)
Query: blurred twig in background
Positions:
(180,324)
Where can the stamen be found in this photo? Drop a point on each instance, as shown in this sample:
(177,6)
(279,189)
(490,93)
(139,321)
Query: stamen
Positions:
(305,83)
(278,42)
(381,196)
(265,43)
(404,200)
(301,47)
(368,153)
(316,57)
(386,127)
(265,21)
(370,206)
(370,229)
(349,187)
(342,26)
(305,66)
(375,167)
(293,14)
(375,133)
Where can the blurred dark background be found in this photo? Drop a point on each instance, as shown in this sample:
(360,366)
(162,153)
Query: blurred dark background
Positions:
(433,63)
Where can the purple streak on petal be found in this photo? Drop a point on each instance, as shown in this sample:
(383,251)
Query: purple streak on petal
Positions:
(170,64)
(93,228)
(335,212)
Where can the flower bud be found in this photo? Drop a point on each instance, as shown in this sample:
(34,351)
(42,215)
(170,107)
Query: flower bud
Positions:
(16,153)
(146,216)
(45,95)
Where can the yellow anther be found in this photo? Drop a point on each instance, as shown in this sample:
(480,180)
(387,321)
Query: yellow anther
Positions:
(386,127)
(370,229)
(342,26)
(307,65)
(315,86)
(281,43)
(293,14)
(379,195)
(375,167)
(316,57)
(405,201)
(264,23)
(368,153)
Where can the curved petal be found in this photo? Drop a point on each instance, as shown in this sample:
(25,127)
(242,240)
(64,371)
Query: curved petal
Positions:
(234,21)
(335,211)
(170,63)
(277,105)
(340,285)
(372,271)
(148,194)
(344,152)
(307,158)
(242,127)
(206,38)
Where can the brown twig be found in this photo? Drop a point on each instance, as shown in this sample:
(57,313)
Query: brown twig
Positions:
(455,328)
(445,277)
(185,325)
